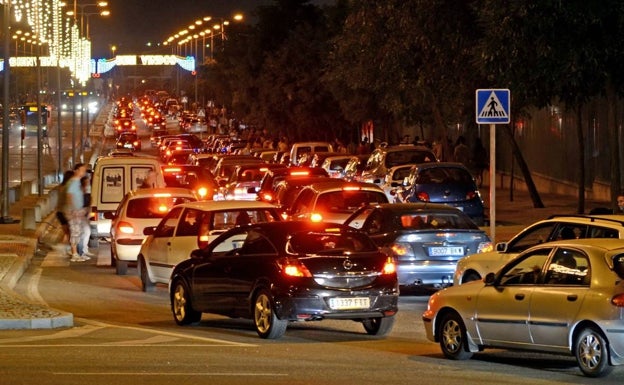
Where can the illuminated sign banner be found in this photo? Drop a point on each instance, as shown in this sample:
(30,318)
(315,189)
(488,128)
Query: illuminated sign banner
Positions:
(104,65)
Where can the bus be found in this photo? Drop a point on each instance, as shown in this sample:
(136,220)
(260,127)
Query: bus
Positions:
(29,119)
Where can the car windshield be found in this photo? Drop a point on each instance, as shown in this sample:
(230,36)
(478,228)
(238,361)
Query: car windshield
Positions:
(153,207)
(324,243)
(436,221)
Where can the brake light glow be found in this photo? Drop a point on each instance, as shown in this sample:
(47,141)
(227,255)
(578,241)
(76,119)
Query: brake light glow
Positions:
(422,196)
(316,217)
(293,268)
(125,228)
(267,197)
(299,173)
(172,169)
(202,192)
(401,249)
(163,209)
(471,195)
(351,188)
(389,266)
(203,241)
(618,300)
(162,195)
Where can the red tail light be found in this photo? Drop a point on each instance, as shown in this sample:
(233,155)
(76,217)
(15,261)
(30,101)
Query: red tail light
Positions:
(618,300)
(471,195)
(422,196)
(202,241)
(389,266)
(293,268)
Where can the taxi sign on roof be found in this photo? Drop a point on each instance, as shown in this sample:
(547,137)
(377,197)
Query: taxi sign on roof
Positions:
(492,106)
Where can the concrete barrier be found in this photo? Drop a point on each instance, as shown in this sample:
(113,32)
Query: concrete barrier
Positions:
(26,188)
(29,220)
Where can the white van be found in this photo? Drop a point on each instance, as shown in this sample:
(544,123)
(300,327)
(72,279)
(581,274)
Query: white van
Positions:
(300,148)
(113,177)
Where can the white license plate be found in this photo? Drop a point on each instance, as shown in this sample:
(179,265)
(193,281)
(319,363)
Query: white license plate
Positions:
(349,303)
(436,251)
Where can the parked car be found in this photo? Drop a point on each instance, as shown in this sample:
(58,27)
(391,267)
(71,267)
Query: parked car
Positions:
(190,226)
(476,266)
(426,239)
(444,182)
(281,272)
(333,200)
(563,297)
(139,209)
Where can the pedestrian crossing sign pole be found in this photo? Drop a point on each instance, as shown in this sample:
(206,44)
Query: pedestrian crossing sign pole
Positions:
(492,108)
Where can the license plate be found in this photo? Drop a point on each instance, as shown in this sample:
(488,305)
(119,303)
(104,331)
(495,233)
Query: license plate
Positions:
(437,251)
(349,303)
(127,145)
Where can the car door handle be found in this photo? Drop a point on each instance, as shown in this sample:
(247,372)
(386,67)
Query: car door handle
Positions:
(519,296)
(572,297)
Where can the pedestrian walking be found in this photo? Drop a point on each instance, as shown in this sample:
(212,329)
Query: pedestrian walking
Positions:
(63,246)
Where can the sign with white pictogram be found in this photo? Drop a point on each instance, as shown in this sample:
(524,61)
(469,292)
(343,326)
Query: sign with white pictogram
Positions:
(493,106)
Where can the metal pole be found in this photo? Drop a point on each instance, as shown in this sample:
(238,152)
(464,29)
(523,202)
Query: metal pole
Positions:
(5,119)
(59,133)
(39,128)
(493,182)
(81,126)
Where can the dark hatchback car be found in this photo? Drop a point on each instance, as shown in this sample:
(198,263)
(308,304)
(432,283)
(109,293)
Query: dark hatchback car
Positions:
(444,182)
(281,272)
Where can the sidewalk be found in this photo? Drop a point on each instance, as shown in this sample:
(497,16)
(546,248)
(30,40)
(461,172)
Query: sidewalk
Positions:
(18,246)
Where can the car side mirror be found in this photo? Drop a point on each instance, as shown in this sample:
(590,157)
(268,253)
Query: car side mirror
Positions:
(501,247)
(109,215)
(489,278)
(149,230)
(197,254)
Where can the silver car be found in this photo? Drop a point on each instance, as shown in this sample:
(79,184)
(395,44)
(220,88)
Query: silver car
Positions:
(426,239)
(563,297)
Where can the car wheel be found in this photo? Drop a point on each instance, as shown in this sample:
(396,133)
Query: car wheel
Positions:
(121,267)
(183,312)
(453,338)
(266,322)
(146,284)
(379,327)
(471,276)
(592,353)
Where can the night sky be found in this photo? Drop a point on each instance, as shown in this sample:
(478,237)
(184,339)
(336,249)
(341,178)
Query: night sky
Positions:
(134,23)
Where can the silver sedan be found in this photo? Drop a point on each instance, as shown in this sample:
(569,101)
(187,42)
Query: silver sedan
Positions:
(564,297)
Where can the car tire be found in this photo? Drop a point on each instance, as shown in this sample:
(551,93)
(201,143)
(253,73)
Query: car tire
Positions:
(267,324)
(591,350)
(146,284)
(471,276)
(453,337)
(379,327)
(181,307)
(121,267)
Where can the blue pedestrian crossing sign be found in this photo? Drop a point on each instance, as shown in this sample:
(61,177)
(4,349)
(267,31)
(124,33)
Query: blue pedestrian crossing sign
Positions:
(492,106)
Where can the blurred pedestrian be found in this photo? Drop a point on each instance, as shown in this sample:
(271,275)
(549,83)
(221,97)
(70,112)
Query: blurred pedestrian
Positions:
(83,245)
(480,161)
(63,246)
(461,152)
(620,203)
(75,211)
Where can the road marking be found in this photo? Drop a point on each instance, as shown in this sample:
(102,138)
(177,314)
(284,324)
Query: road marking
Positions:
(186,374)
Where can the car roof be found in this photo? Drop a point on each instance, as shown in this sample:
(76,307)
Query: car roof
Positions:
(614,245)
(227,205)
(403,207)
(615,221)
(146,192)
(333,184)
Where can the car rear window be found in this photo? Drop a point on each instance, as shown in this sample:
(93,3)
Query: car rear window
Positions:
(153,207)
(397,158)
(618,265)
(436,221)
(327,243)
(341,201)
(444,175)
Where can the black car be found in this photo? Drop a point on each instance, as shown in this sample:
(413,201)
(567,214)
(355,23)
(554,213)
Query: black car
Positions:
(280,272)
(129,141)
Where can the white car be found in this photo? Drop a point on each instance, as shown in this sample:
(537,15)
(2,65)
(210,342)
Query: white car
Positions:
(395,177)
(476,266)
(139,209)
(192,226)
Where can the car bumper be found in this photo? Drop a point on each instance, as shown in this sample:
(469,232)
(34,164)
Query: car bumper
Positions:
(426,273)
(127,249)
(308,305)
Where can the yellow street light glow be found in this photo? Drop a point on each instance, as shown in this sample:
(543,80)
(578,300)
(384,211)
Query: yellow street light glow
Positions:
(238,17)
(207,18)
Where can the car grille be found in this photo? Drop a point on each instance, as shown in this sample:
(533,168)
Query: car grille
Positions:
(350,281)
